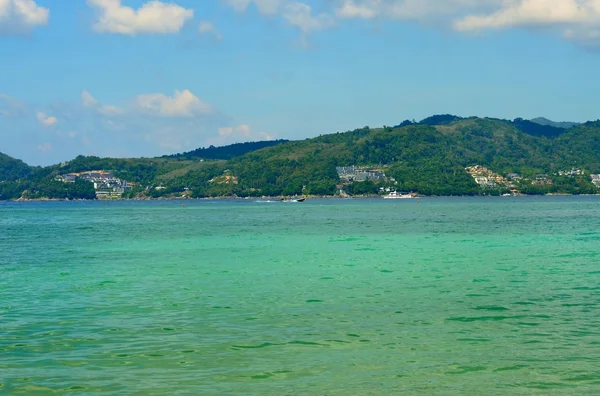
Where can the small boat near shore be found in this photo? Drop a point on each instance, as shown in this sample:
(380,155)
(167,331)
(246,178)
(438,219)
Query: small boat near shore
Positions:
(396,195)
(293,199)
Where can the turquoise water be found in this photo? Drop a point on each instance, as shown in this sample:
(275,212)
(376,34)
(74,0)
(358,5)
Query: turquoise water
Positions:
(327,297)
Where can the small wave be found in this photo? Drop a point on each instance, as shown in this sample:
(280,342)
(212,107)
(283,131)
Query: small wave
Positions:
(491,308)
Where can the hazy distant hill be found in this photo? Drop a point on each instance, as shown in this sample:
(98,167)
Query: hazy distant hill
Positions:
(12,169)
(545,121)
(536,129)
(526,126)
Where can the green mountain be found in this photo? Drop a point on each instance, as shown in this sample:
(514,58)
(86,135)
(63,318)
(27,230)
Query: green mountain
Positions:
(428,157)
(12,169)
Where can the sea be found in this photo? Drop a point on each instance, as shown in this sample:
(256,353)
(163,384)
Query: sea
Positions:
(428,296)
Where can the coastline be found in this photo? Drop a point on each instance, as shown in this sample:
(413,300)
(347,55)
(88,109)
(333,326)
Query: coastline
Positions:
(279,197)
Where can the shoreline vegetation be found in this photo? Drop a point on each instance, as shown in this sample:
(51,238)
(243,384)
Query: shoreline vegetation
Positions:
(443,155)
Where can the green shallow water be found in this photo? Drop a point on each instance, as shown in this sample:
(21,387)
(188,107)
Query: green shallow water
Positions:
(327,297)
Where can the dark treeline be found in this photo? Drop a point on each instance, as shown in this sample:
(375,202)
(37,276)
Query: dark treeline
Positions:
(47,188)
(226,152)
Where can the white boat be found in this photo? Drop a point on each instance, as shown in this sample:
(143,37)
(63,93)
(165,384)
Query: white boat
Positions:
(395,195)
(294,199)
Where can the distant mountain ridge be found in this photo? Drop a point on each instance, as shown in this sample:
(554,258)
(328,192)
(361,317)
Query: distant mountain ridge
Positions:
(536,127)
(227,152)
(562,124)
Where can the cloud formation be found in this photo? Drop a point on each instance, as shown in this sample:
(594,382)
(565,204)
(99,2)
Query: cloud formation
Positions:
(419,10)
(143,125)
(301,16)
(46,120)
(296,13)
(206,27)
(181,104)
(21,16)
(351,9)
(152,17)
(578,19)
(88,101)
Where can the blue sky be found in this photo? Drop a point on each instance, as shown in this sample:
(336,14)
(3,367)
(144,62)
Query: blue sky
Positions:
(135,78)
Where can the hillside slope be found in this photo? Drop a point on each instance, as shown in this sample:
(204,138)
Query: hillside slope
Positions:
(12,168)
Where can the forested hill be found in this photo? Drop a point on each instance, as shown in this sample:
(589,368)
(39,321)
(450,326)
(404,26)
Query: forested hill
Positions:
(12,169)
(227,152)
(536,127)
(430,157)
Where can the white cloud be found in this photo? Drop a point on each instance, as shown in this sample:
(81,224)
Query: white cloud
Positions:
(296,13)
(351,9)
(21,16)
(90,102)
(208,28)
(182,103)
(46,120)
(419,10)
(152,17)
(535,12)
(147,125)
(578,20)
(301,15)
